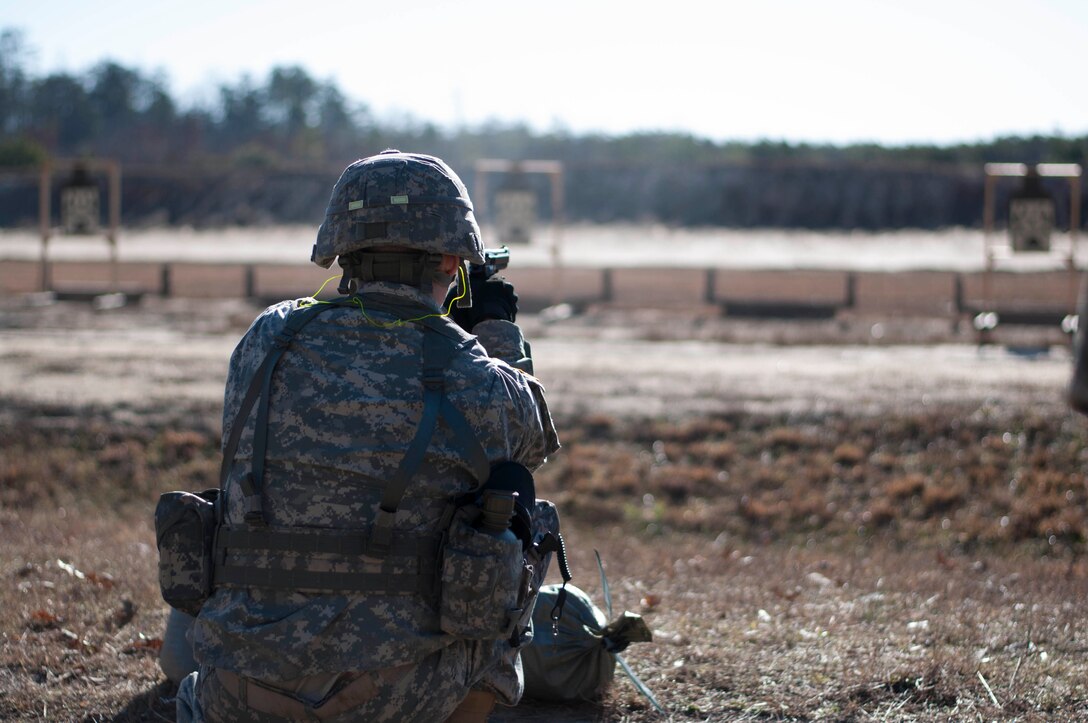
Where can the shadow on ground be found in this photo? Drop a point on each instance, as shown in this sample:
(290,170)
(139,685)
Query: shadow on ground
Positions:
(154,704)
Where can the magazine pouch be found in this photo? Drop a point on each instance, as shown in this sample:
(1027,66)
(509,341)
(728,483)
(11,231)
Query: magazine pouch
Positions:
(481,579)
(185,524)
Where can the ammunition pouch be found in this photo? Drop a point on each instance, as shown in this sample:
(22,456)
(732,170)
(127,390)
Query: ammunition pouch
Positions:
(185,526)
(489,583)
(480,578)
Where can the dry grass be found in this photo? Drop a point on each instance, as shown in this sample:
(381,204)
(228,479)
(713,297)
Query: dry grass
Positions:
(84,617)
(830,568)
(967,479)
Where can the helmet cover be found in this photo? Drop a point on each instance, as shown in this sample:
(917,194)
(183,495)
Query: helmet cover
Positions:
(399,199)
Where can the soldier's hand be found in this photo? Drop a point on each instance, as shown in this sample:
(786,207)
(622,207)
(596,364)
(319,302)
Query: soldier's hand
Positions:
(492,298)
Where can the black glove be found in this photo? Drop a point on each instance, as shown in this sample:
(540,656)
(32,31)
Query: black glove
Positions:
(492,298)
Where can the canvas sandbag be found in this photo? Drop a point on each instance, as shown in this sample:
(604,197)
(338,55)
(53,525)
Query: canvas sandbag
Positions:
(575,658)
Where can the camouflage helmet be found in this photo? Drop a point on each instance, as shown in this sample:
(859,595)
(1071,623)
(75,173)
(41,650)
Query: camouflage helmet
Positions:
(399,199)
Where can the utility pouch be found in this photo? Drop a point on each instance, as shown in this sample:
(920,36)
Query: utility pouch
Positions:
(538,556)
(481,577)
(185,526)
(521,628)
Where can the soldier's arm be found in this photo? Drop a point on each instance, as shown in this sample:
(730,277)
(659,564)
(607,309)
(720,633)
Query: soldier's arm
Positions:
(504,340)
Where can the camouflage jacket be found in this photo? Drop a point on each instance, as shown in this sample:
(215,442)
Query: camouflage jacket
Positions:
(345,401)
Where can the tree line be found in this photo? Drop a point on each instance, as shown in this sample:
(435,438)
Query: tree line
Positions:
(268,150)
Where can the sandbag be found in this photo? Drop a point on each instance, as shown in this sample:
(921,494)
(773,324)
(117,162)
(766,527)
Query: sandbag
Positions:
(575,659)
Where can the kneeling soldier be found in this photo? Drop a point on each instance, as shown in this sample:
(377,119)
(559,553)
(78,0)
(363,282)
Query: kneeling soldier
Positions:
(352,578)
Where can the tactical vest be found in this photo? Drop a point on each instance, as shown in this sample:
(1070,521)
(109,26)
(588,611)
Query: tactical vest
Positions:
(480,586)
(442,339)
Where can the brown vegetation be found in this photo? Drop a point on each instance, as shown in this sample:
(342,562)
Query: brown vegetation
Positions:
(966,478)
(824,568)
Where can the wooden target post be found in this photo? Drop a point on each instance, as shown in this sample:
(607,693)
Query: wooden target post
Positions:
(988,318)
(79,210)
(554,170)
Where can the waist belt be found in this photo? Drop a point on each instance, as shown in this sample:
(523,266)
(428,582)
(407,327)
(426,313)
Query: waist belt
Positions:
(235,549)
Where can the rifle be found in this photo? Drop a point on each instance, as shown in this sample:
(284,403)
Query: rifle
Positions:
(495,260)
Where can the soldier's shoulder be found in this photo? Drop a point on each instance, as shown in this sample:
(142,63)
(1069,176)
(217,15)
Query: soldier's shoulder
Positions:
(476,366)
(261,331)
(274,317)
(278,312)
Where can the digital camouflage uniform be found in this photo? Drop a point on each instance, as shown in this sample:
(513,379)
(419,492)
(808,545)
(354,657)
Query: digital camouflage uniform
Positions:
(346,399)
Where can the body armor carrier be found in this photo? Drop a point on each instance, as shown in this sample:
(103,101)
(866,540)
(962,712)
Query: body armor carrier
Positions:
(481,586)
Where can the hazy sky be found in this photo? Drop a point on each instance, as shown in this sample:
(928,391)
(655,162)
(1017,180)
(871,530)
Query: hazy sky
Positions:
(823,70)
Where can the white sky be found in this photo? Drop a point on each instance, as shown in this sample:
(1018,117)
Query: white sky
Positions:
(823,70)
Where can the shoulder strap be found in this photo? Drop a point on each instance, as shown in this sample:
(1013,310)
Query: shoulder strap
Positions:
(438,349)
(451,415)
(258,386)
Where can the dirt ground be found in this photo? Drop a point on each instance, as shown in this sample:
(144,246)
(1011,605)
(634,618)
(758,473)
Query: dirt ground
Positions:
(634,364)
(820,520)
